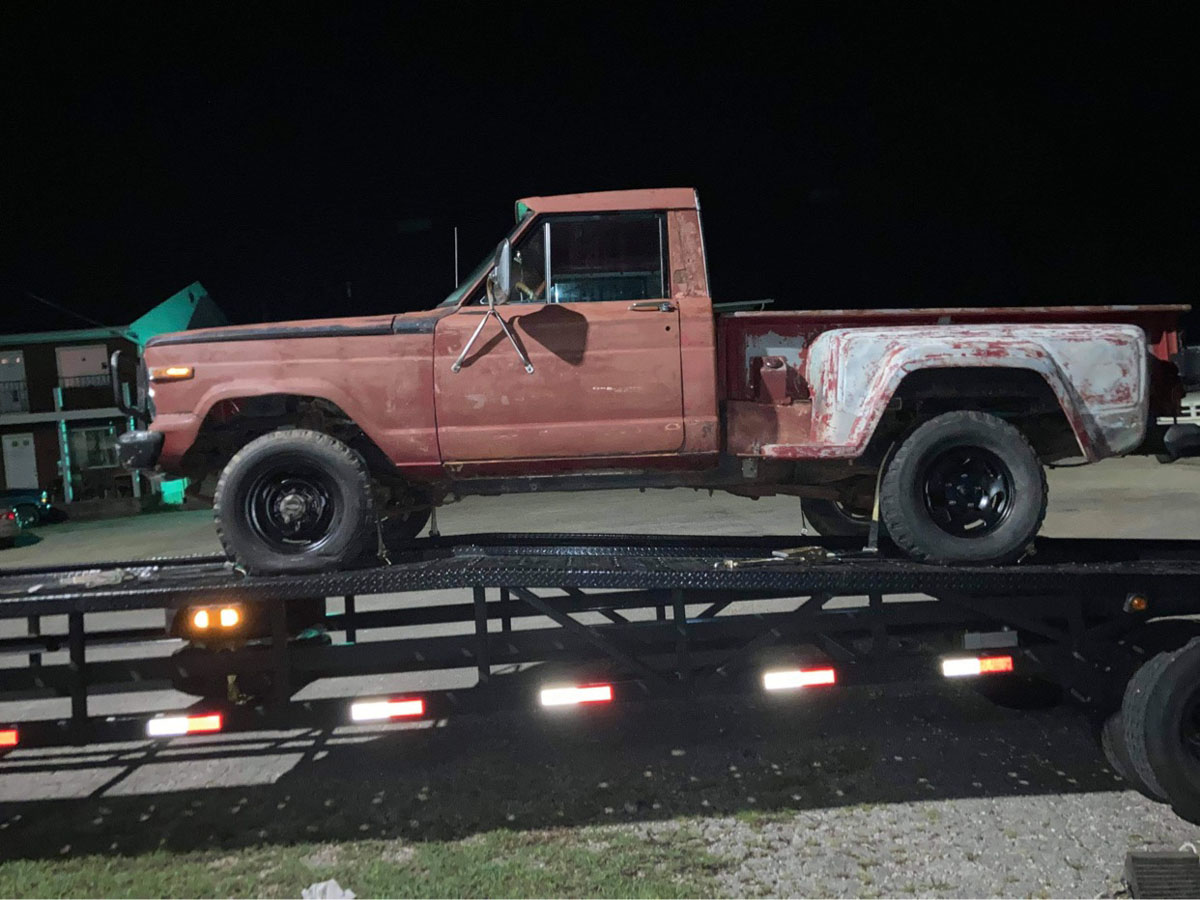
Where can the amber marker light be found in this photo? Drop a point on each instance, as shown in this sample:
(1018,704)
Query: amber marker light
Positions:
(171,373)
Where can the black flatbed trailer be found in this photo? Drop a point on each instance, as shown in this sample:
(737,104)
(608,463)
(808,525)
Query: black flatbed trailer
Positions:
(1107,624)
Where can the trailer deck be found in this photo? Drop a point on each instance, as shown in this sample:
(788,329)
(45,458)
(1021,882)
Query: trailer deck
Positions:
(572,619)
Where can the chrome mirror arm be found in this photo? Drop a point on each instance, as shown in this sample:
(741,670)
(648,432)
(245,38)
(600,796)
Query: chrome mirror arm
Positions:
(458,363)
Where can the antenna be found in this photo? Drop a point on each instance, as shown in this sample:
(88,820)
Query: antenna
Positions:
(456,256)
(70,312)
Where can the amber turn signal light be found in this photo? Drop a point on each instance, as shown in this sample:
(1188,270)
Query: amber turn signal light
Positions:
(171,373)
(207,618)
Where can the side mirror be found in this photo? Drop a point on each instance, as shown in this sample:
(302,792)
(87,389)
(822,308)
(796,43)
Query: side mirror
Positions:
(499,283)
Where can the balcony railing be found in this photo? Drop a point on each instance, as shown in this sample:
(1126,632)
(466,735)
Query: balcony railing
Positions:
(14,397)
(78,381)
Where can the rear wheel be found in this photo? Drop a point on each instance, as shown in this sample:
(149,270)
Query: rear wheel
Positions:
(27,515)
(965,487)
(295,501)
(832,518)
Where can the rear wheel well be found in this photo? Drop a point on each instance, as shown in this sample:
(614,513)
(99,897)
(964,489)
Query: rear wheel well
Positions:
(1020,396)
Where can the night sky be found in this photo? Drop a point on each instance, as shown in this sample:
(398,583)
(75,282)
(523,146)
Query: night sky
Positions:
(847,155)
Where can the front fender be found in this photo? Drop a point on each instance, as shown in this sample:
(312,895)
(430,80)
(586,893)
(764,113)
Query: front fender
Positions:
(1098,372)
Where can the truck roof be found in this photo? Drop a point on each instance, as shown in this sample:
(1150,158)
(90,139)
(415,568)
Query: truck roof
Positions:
(606,201)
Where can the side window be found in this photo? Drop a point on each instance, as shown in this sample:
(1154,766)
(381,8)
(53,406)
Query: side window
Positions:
(529,267)
(607,257)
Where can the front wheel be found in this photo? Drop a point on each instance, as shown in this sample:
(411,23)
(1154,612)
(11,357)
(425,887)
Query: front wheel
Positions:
(964,488)
(295,501)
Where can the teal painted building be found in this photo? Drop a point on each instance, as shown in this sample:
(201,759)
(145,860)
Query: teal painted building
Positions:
(58,424)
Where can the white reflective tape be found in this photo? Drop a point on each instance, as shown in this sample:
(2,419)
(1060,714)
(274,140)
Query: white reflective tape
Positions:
(170,726)
(173,726)
(568,696)
(378,710)
(787,679)
(958,668)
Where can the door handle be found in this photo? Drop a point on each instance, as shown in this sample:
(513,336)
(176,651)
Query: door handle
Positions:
(652,306)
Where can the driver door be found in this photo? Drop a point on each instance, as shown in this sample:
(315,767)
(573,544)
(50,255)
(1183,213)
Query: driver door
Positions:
(590,309)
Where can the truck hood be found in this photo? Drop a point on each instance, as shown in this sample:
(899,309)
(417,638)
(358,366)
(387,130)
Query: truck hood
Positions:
(405,323)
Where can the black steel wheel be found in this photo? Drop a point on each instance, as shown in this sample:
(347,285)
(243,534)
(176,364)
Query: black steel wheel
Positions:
(832,518)
(968,491)
(295,501)
(964,487)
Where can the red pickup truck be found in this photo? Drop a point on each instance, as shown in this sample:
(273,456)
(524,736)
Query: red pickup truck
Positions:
(588,354)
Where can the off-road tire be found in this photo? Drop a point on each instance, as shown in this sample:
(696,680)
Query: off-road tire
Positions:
(902,506)
(830,519)
(400,528)
(351,535)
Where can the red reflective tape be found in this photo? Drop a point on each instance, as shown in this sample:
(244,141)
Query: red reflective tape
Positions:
(203,723)
(8,737)
(992,664)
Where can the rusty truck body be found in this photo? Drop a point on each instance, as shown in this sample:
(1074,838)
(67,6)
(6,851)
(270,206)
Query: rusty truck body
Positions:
(588,353)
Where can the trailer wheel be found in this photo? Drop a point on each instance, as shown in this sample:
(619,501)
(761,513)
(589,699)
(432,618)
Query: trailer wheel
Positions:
(1116,752)
(1161,713)
(830,518)
(964,487)
(295,501)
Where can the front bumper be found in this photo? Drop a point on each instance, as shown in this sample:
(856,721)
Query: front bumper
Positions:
(139,449)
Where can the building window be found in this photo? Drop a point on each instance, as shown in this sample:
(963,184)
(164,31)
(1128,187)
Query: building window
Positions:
(94,447)
(85,366)
(14,392)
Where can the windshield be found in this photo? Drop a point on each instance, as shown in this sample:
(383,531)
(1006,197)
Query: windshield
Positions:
(476,273)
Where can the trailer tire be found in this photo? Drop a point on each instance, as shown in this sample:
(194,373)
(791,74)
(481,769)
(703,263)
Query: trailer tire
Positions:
(1136,715)
(964,488)
(829,518)
(295,501)
(1162,727)
(1112,742)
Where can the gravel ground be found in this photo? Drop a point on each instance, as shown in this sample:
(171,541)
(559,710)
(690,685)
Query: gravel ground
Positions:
(1049,846)
(925,790)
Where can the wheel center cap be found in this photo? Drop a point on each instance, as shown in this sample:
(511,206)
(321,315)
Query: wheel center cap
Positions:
(292,508)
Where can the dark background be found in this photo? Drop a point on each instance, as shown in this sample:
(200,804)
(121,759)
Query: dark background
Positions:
(847,155)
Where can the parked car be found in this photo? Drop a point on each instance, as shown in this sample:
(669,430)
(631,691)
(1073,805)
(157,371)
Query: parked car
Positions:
(9,527)
(32,505)
(587,353)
